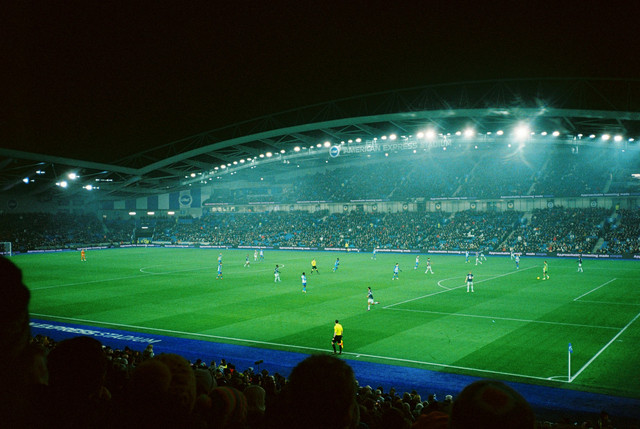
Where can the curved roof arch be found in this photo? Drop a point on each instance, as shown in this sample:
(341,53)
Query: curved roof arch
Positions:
(573,107)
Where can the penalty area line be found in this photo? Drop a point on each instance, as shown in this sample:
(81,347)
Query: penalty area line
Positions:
(594,289)
(590,361)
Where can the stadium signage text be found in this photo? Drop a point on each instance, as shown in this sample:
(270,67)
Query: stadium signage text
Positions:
(94,333)
(376,146)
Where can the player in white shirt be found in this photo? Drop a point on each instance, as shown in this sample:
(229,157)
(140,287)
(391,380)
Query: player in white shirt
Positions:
(417,262)
(276,275)
(303,277)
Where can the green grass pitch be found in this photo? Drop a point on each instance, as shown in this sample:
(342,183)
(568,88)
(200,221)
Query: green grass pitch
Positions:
(513,327)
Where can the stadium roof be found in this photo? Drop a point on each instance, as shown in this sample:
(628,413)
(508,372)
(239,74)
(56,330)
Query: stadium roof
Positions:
(574,108)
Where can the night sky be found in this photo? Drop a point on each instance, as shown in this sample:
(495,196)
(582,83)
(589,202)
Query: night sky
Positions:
(102,80)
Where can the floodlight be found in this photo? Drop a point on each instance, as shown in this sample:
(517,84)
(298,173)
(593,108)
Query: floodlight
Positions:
(318,145)
(281,150)
(88,187)
(606,137)
(358,140)
(262,155)
(193,174)
(151,213)
(171,213)
(25,180)
(269,154)
(132,213)
(383,137)
(296,149)
(420,135)
(62,184)
(544,133)
(509,145)
(618,138)
(242,161)
(393,137)
(522,131)
(592,136)
(223,166)
(72,176)
(40,172)
(469,132)
(431,134)
(499,132)
(556,133)
(632,139)
(327,143)
(349,141)
(262,178)
(235,162)
(458,133)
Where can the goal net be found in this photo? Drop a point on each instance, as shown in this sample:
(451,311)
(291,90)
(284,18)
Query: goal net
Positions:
(5,248)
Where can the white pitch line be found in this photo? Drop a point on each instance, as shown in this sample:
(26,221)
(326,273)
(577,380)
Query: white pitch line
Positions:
(609,302)
(444,280)
(604,348)
(593,290)
(312,349)
(510,319)
(457,287)
(142,270)
(91,281)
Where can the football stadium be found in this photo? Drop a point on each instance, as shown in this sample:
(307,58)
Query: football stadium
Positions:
(496,223)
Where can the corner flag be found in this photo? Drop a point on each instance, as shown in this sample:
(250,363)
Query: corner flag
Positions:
(570,348)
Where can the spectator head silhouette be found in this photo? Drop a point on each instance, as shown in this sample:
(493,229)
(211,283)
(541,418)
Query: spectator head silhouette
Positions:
(491,404)
(322,394)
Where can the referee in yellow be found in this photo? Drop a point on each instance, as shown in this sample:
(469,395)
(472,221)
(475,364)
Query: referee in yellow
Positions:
(337,337)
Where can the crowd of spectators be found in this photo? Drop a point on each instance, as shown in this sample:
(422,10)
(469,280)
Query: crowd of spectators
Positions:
(557,229)
(560,229)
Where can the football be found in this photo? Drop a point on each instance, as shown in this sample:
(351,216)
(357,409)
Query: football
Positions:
(538,278)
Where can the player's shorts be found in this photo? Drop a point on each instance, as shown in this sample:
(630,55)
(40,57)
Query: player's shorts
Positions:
(337,339)
(370,300)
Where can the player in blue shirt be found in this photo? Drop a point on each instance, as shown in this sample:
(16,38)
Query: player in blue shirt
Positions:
(219,276)
(335,266)
(466,255)
(517,258)
(373,255)
(246,261)
(396,270)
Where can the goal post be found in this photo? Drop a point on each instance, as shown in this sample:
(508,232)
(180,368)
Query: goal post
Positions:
(5,248)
